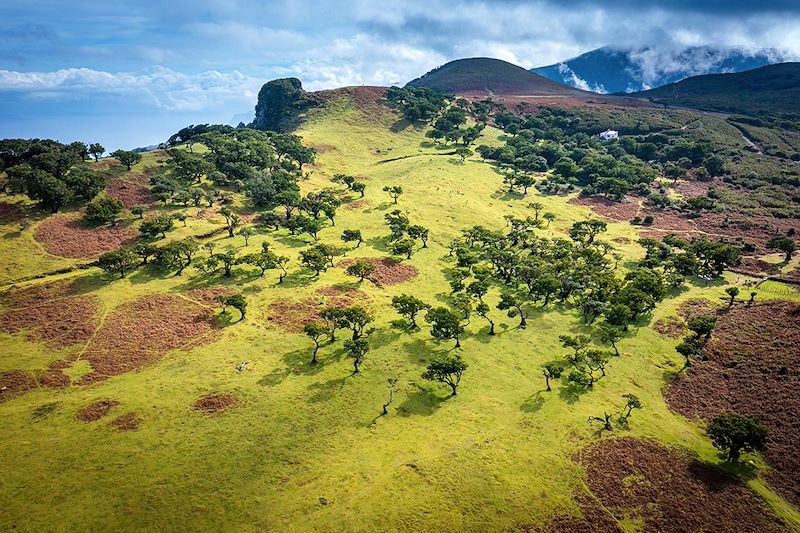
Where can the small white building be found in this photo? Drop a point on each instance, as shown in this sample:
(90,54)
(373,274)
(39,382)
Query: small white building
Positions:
(609,134)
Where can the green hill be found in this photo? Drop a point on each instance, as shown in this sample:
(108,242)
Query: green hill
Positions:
(483,75)
(770,89)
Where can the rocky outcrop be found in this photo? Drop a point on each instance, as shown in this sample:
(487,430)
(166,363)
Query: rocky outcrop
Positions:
(280,103)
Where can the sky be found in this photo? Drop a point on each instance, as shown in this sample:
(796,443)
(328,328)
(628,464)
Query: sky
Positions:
(129,74)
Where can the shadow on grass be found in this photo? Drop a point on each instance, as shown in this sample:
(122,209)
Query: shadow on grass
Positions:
(421,402)
(533,403)
(323,392)
(570,393)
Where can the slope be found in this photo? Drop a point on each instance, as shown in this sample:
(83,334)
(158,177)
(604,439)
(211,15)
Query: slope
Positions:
(484,75)
(770,89)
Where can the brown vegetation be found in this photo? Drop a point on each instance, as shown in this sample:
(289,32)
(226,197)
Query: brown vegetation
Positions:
(96,410)
(215,403)
(293,315)
(15,382)
(668,490)
(131,190)
(139,333)
(126,422)
(752,368)
(66,236)
(672,327)
(388,271)
(10,213)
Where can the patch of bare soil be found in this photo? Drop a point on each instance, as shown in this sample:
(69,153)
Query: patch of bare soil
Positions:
(323,148)
(672,327)
(388,271)
(15,382)
(96,410)
(695,307)
(66,236)
(293,315)
(692,188)
(10,213)
(131,190)
(126,422)
(215,403)
(619,211)
(140,333)
(752,368)
(671,491)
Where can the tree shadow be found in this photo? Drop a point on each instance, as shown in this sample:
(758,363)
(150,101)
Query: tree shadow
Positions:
(421,402)
(533,403)
(323,392)
(377,243)
(401,125)
(570,393)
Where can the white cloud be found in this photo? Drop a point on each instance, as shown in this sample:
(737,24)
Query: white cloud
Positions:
(160,87)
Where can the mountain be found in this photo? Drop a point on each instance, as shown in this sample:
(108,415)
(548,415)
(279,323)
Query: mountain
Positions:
(616,70)
(483,75)
(771,89)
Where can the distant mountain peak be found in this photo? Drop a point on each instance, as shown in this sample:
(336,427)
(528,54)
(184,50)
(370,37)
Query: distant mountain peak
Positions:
(483,75)
(629,69)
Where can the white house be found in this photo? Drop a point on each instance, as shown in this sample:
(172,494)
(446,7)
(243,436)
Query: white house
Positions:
(609,134)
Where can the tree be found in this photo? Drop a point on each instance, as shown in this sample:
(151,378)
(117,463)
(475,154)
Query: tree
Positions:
(483,311)
(96,149)
(549,217)
(446,370)
(408,306)
(688,349)
(247,232)
(784,244)
(512,302)
(631,402)
(139,211)
(350,235)
(156,226)
(144,251)
(703,326)
(232,220)
(314,260)
(176,255)
(610,335)
(103,210)
(316,332)
(335,318)
(127,157)
(403,247)
(238,302)
(553,370)
(398,224)
(445,324)
(392,384)
(50,191)
(732,293)
(394,191)
(537,208)
(357,349)
(585,231)
(360,269)
(118,261)
(419,232)
(463,152)
(735,434)
(357,319)
(359,187)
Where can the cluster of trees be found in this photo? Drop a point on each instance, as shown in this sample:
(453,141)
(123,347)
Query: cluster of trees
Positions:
(404,234)
(417,104)
(355,318)
(679,258)
(50,172)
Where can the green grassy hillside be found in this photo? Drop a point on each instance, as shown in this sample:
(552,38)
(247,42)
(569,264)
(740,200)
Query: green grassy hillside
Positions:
(305,449)
(770,89)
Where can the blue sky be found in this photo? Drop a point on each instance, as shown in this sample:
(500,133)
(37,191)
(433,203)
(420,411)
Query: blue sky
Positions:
(131,73)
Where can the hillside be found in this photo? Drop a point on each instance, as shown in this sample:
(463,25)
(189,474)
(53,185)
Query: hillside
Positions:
(770,89)
(617,70)
(147,402)
(490,76)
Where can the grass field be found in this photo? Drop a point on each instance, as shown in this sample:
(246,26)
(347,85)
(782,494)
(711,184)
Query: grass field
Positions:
(305,449)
